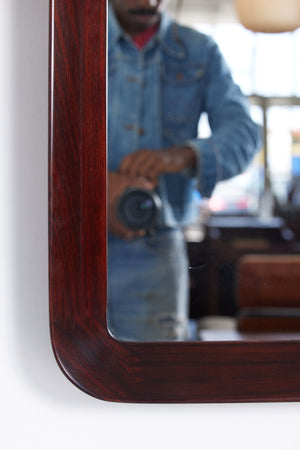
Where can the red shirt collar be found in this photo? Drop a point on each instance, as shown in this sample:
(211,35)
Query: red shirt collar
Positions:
(141,39)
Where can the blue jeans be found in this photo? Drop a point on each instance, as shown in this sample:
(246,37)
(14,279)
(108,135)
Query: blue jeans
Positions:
(148,287)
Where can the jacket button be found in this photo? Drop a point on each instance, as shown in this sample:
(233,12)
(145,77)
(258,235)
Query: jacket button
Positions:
(132,79)
(141,131)
(179,76)
(128,126)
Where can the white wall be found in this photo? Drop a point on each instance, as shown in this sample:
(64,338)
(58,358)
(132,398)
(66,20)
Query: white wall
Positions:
(41,409)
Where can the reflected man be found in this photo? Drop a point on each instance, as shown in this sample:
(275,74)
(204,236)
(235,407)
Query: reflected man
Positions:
(161,78)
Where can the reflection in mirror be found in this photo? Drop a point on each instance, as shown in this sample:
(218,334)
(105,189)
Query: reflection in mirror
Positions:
(203,212)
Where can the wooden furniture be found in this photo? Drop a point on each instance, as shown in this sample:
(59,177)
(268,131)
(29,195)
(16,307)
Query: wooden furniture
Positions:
(214,260)
(268,293)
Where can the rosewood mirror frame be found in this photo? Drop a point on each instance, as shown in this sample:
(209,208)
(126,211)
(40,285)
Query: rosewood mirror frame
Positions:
(85,351)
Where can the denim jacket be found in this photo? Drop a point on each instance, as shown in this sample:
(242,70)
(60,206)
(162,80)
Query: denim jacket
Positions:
(155,99)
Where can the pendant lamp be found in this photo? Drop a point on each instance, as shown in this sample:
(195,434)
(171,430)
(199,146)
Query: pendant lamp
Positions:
(269,16)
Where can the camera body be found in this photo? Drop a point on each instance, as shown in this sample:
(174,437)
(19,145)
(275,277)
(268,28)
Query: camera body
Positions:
(139,209)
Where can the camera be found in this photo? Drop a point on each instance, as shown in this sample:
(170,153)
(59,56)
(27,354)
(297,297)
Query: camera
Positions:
(139,208)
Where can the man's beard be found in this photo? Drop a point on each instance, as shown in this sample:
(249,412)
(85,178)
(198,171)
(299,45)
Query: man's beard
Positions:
(143,11)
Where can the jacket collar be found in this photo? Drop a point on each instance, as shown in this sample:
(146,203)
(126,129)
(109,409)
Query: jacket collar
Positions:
(167,35)
(114,31)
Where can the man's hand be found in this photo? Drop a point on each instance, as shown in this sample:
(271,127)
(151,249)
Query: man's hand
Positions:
(152,163)
(117,184)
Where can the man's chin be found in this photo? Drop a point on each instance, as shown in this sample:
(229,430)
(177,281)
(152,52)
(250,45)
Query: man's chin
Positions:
(143,21)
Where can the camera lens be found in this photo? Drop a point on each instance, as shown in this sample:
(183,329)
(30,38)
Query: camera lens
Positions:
(138,208)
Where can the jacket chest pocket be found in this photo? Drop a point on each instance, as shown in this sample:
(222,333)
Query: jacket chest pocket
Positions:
(182,88)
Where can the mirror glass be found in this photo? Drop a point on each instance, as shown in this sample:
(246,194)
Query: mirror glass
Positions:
(203,175)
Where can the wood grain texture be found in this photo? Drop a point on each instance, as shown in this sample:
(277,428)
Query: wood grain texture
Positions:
(85,351)
(269,281)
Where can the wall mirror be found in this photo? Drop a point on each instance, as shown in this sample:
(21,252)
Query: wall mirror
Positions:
(243,253)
